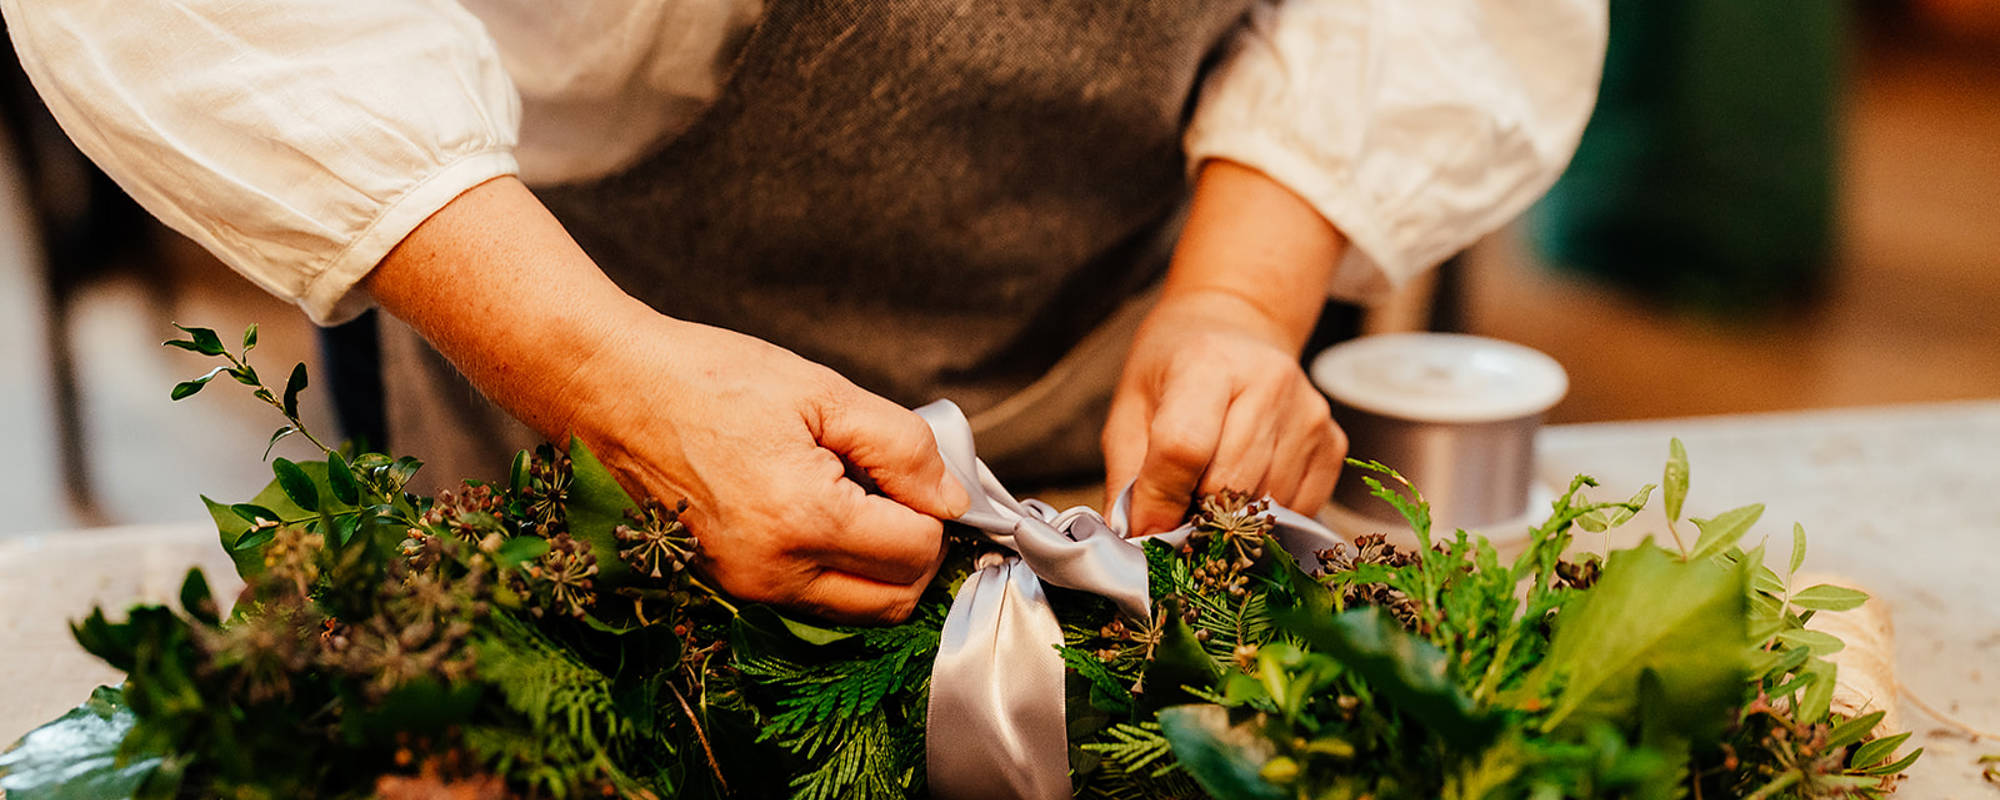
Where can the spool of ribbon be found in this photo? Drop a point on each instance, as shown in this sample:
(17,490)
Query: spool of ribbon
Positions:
(997,724)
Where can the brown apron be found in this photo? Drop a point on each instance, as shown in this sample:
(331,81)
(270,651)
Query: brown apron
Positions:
(936,199)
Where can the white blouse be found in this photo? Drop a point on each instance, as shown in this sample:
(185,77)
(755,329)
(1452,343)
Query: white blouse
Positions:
(300,140)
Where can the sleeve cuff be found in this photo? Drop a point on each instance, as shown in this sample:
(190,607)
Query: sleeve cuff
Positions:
(331,296)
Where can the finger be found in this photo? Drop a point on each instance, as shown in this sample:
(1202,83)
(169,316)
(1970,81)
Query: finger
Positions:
(1180,442)
(852,599)
(875,537)
(895,448)
(1304,431)
(1322,474)
(1247,447)
(1124,444)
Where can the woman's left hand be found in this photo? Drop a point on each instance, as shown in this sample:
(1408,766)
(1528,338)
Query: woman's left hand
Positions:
(1207,404)
(1212,396)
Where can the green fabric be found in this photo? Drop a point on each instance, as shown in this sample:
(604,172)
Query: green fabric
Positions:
(1707,173)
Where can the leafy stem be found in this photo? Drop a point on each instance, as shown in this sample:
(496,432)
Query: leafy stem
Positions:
(205,342)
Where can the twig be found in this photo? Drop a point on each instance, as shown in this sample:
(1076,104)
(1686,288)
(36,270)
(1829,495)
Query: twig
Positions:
(706,751)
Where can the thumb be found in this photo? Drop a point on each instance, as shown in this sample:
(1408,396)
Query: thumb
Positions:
(895,449)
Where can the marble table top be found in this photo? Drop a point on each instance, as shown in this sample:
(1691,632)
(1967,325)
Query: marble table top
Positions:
(1904,500)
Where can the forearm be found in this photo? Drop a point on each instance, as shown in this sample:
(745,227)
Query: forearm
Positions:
(495,284)
(1254,255)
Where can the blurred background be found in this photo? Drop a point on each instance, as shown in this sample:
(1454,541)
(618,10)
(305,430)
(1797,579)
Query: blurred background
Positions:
(1780,204)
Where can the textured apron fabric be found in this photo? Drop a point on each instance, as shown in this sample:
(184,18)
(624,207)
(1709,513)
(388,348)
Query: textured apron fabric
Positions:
(936,199)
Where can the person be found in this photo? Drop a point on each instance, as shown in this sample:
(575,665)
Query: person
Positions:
(759,232)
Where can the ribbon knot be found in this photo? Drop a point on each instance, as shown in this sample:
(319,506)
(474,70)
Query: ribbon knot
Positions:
(997,725)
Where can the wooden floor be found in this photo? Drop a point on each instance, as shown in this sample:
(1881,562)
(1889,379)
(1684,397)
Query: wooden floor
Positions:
(1913,315)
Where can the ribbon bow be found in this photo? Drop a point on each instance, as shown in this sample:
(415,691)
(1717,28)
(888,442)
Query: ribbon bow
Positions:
(997,726)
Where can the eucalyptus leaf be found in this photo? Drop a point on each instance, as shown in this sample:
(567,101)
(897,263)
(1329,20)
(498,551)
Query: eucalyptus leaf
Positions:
(1674,482)
(1798,547)
(1820,643)
(1828,597)
(1724,530)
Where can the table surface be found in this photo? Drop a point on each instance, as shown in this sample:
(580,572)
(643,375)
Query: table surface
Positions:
(1901,499)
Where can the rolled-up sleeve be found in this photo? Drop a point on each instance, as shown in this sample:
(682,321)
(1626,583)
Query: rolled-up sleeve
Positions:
(1415,128)
(297,140)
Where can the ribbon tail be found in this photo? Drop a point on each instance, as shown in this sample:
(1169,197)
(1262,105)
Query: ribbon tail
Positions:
(997,723)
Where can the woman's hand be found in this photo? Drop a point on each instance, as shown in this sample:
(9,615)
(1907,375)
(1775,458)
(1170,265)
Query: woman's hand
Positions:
(768,449)
(1212,396)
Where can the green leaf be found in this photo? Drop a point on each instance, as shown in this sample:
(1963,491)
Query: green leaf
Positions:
(250,337)
(1820,643)
(1179,661)
(1853,730)
(1674,483)
(1818,696)
(517,476)
(275,436)
(1898,766)
(197,600)
(1828,597)
(1411,674)
(520,550)
(1604,519)
(1876,751)
(294,385)
(186,389)
(77,757)
(1225,759)
(596,507)
(297,486)
(1798,547)
(1686,621)
(246,375)
(205,340)
(340,480)
(344,527)
(254,539)
(1724,530)
(253,513)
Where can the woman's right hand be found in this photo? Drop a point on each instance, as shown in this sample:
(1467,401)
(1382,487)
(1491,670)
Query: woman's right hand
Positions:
(767,448)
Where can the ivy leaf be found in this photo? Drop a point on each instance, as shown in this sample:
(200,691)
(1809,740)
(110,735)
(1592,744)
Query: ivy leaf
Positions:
(1225,759)
(1674,483)
(1179,661)
(1724,530)
(297,486)
(520,550)
(1828,597)
(205,340)
(340,480)
(596,506)
(1412,674)
(294,385)
(1686,621)
(78,756)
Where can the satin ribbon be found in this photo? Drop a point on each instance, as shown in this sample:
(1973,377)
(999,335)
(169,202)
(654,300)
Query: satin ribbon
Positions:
(997,723)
